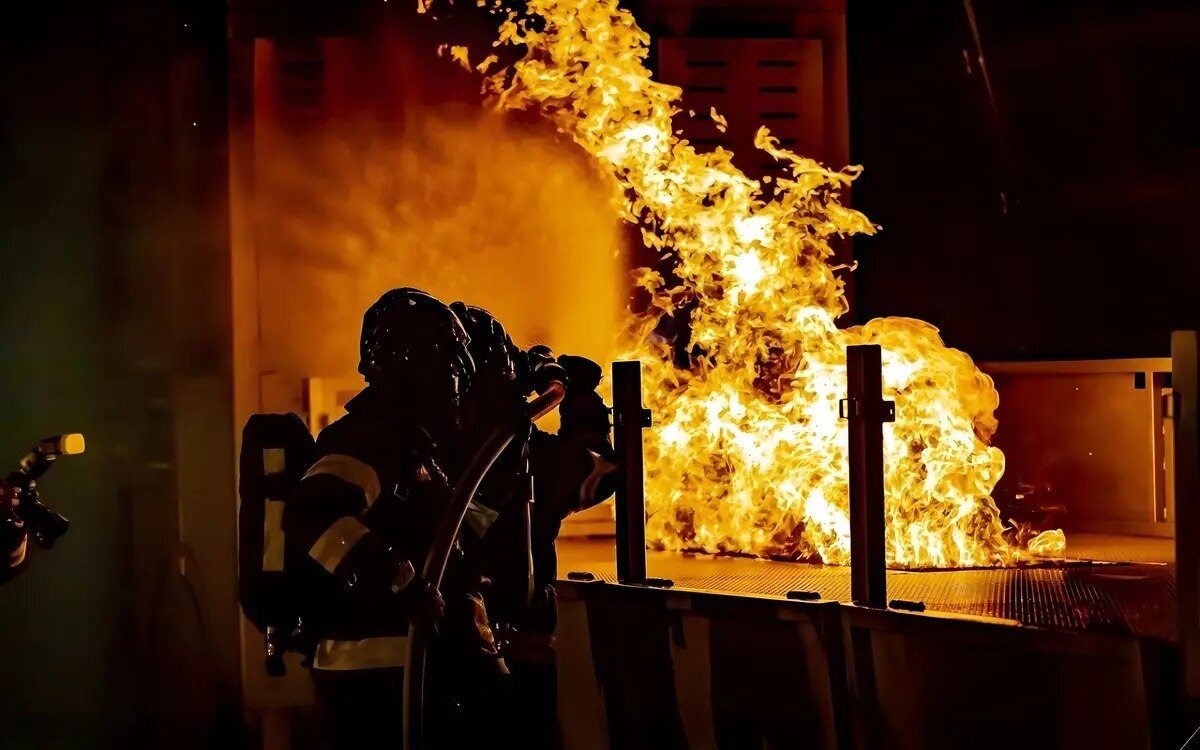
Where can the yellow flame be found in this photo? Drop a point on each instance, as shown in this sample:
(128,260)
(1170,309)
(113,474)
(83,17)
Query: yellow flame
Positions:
(748,454)
(1052,543)
(486,63)
(718,120)
(459,54)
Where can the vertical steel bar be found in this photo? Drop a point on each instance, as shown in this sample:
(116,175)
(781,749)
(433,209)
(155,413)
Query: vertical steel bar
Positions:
(866,412)
(629,419)
(1185,406)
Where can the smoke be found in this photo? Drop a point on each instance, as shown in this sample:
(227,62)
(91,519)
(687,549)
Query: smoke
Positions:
(463,205)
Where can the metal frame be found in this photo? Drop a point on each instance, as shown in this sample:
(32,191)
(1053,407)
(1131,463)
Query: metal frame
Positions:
(1078,367)
(1185,409)
(1157,374)
(629,419)
(864,408)
(866,412)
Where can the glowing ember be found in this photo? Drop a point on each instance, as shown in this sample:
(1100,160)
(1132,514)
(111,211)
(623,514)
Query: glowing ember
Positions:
(748,454)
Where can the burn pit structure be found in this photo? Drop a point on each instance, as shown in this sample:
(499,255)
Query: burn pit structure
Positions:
(719,658)
(1083,656)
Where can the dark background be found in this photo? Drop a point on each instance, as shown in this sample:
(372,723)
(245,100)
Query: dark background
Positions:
(112,224)
(1094,142)
(115,293)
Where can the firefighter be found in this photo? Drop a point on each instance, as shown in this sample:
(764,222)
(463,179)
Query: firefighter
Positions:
(359,523)
(571,470)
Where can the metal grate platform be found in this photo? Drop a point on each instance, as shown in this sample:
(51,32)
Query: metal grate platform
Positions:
(1135,595)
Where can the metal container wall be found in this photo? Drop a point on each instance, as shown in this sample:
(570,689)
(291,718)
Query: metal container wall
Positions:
(653,668)
(927,681)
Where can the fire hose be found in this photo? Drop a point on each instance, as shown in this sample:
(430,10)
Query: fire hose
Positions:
(434,567)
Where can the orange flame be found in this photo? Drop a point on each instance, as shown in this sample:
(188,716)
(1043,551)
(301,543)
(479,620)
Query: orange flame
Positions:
(748,454)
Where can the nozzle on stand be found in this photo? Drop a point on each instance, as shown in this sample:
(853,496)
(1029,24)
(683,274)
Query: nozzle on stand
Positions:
(45,525)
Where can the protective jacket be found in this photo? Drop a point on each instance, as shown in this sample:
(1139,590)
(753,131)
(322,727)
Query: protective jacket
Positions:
(357,529)
(572,470)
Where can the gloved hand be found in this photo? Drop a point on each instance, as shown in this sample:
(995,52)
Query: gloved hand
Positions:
(583,412)
(543,369)
(424,600)
(585,374)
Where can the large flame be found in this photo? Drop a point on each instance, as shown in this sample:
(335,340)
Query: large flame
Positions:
(748,454)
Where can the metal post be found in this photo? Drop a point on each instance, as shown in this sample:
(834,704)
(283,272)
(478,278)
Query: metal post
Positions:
(1184,406)
(629,419)
(866,411)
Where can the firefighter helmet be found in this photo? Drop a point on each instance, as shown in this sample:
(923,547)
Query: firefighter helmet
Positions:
(411,339)
(492,350)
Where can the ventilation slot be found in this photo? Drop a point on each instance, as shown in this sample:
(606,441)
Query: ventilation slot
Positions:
(751,83)
(301,80)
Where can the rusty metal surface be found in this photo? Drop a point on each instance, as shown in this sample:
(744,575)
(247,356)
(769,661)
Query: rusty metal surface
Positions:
(1138,597)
